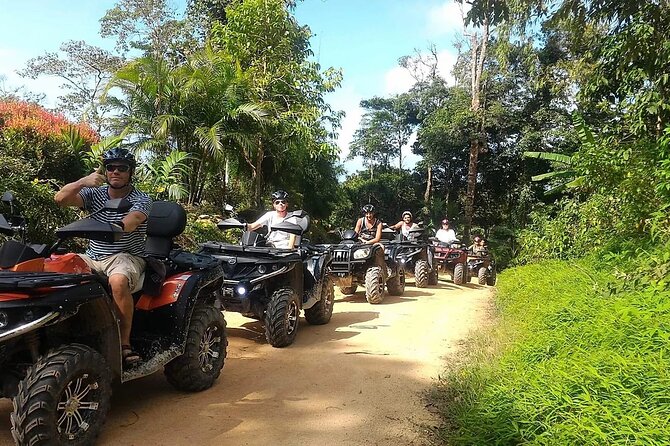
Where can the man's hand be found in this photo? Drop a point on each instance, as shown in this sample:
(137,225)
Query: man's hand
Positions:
(95,179)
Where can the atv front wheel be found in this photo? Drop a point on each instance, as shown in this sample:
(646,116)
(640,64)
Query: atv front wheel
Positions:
(421,274)
(481,276)
(200,365)
(374,285)
(281,317)
(63,399)
(348,289)
(396,285)
(433,277)
(491,279)
(321,312)
(459,273)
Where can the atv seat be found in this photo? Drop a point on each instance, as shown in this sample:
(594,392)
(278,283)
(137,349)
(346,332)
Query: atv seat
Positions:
(166,221)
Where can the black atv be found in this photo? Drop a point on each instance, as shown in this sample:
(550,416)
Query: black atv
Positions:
(357,263)
(273,284)
(482,265)
(413,254)
(60,349)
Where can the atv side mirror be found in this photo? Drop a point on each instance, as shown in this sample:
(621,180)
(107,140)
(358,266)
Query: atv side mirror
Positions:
(118,204)
(228,207)
(5,227)
(8,197)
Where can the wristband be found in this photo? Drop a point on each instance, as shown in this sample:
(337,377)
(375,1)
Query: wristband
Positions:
(120,223)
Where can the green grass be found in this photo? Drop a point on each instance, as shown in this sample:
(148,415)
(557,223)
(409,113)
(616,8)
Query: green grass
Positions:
(568,361)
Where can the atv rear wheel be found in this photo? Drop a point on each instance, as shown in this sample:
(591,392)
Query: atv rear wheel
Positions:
(491,279)
(321,312)
(206,345)
(281,317)
(348,289)
(396,284)
(421,273)
(459,273)
(433,276)
(374,285)
(63,399)
(481,276)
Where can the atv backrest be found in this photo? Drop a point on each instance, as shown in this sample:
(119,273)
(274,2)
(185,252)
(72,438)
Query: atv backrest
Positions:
(166,221)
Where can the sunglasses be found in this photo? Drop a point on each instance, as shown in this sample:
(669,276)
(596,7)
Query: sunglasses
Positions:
(280,201)
(119,167)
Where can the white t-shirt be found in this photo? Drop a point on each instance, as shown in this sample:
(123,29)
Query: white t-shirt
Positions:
(278,239)
(446,235)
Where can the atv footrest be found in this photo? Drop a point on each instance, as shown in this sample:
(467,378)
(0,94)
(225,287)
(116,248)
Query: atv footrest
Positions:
(10,280)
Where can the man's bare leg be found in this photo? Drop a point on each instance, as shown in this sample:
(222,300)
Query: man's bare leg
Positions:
(124,305)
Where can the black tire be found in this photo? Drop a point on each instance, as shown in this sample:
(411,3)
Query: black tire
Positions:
(282,316)
(433,277)
(421,274)
(348,289)
(396,285)
(481,276)
(70,385)
(321,312)
(374,285)
(459,273)
(205,353)
(491,279)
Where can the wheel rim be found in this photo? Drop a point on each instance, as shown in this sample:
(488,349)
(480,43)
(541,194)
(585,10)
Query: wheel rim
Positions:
(292,317)
(77,406)
(209,348)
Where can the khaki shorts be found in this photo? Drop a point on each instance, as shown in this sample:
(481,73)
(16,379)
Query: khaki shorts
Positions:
(122,263)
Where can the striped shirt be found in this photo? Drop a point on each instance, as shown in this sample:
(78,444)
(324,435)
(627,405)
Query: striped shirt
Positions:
(132,242)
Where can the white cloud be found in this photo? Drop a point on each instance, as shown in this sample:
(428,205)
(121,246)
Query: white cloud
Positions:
(397,80)
(445,19)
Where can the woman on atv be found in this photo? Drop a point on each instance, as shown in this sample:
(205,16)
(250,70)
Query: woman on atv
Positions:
(478,246)
(369,227)
(278,239)
(405,225)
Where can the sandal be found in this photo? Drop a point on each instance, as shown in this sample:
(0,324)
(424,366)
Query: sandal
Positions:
(130,357)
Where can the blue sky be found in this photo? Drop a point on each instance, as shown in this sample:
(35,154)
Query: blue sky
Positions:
(364,38)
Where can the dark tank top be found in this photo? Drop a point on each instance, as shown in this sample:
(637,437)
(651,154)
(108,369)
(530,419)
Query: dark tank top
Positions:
(369,234)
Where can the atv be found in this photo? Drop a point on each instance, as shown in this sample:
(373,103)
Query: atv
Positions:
(482,265)
(451,258)
(60,349)
(414,255)
(273,284)
(357,263)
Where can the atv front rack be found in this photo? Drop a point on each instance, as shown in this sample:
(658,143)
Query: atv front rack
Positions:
(10,280)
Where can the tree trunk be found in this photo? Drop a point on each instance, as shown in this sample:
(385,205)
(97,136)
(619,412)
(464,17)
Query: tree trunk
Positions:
(429,187)
(478,49)
(258,183)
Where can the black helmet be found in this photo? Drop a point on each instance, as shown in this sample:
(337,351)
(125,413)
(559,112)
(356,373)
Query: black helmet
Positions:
(368,208)
(279,195)
(118,154)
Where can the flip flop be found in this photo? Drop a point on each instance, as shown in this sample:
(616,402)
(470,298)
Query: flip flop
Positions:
(130,357)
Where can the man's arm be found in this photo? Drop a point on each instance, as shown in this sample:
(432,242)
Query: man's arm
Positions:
(69,194)
(133,220)
(377,237)
(258,223)
(358,226)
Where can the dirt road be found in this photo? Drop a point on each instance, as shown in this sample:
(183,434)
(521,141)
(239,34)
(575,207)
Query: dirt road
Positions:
(356,381)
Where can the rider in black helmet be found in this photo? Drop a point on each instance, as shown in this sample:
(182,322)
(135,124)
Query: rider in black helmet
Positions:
(122,261)
(369,227)
(278,239)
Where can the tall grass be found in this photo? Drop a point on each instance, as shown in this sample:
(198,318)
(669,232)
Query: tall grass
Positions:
(574,358)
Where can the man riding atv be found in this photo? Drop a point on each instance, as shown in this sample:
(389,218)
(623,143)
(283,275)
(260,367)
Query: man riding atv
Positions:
(121,261)
(360,259)
(449,253)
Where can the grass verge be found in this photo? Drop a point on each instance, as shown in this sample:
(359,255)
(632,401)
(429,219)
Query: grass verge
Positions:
(574,358)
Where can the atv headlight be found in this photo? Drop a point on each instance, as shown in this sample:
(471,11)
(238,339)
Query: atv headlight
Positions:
(4,319)
(361,253)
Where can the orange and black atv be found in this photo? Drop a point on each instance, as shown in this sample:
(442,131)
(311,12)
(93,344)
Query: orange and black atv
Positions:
(60,349)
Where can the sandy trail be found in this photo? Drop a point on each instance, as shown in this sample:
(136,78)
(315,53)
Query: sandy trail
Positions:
(356,381)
